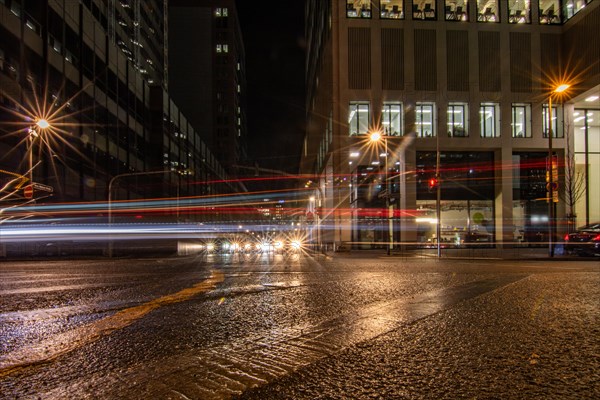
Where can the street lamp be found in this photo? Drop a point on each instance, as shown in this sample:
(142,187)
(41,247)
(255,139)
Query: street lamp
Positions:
(110,184)
(376,137)
(550,171)
(42,124)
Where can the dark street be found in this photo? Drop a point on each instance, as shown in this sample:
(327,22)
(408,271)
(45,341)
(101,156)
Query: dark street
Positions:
(299,326)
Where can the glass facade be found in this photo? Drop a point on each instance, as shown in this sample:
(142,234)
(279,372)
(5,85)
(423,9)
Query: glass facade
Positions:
(521,120)
(456,10)
(556,127)
(425,119)
(519,11)
(358,8)
(467,193)
(572,7)
(359,117)
(391,9)
(488,11)
(424,10)
(549,11)
(587,165)
(391,119)
(489,120)
(530,209)
(458,119)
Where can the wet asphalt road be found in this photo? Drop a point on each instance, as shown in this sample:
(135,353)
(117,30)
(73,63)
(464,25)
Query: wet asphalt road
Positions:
(300,327)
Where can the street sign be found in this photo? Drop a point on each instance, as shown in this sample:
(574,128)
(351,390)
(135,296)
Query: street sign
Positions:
(42,187)
(28,192)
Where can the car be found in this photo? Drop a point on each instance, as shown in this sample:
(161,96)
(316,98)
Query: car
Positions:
(584,241)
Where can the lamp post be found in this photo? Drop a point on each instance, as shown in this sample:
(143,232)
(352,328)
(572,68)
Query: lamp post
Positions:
(110,184)
(41,124)
(376,137)
(550,171)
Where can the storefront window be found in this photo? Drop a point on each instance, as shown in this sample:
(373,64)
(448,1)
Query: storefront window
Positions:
(489,119)
(456,10)
(457,120)
(487,11)
(391,9)
(391,119)
(519,12)
(521,120)
(464,223)
(425,119)
(358,8)
(549,11)
(530,209)
(358,118)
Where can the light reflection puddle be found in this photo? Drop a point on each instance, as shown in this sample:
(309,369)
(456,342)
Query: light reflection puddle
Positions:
(73,339)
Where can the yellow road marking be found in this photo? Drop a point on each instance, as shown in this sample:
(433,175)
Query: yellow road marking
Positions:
(81,336)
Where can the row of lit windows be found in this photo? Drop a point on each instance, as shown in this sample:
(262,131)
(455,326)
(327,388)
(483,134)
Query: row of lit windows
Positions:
(519,11)
(392,121)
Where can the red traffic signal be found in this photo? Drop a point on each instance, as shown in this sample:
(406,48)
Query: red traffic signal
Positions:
(433,182)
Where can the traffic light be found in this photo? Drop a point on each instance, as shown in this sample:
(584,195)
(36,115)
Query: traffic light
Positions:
(433,182)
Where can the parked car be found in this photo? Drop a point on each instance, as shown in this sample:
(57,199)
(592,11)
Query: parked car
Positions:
(584,241)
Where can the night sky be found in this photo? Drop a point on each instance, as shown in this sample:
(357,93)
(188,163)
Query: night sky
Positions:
(273,35)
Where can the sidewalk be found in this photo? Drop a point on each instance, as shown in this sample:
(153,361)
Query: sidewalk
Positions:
(516,253)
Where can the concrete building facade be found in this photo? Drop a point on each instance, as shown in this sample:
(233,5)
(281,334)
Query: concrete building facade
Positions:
(460,93)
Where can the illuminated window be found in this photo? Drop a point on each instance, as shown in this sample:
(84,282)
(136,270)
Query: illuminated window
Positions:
(358,8)
(391,9)
(521,120)
(519,12)
(457,120)
(358,118)
(219,48)
(487,11)
(556,132)
(456,10)
(391,119)
(489,120)
(549,11)
(425,119)
(572,7)
(424,9)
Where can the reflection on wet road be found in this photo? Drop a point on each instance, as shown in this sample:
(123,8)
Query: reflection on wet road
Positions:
(214,328)
(70,340)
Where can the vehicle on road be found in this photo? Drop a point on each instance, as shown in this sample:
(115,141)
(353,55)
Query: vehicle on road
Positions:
(584,241)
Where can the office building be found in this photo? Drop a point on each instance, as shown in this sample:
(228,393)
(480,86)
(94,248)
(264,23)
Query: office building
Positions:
(97,70)
(207,74)
(472,79)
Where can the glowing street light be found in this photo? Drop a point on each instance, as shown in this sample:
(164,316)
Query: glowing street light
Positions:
(550,171)
(43,123)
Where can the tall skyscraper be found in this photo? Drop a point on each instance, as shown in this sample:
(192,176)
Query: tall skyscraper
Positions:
(207,73)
